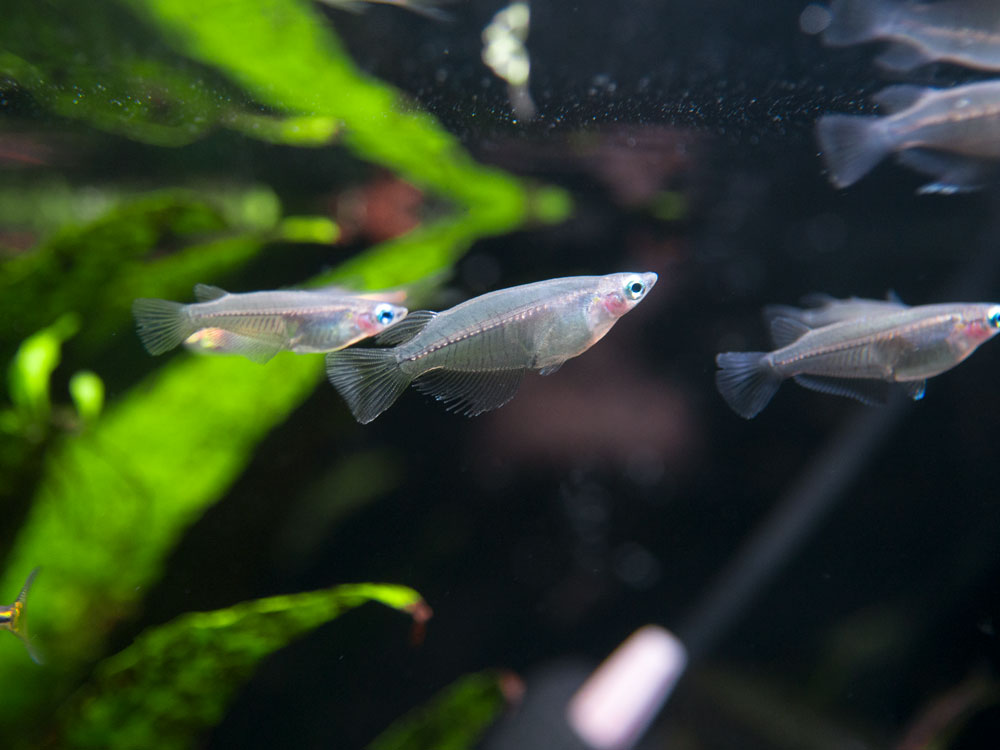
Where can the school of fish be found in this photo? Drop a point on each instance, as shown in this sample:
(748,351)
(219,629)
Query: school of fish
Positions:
(950,134)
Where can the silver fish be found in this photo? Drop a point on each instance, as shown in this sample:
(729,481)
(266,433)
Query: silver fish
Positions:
(221,341)
(473,356)
(822,309)
(966,32)
(860,357)
(13,618)
(952,134)
(258,325)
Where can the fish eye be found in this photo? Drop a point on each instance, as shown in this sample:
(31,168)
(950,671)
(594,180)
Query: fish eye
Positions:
(634,288)
(384,315)
(993,316)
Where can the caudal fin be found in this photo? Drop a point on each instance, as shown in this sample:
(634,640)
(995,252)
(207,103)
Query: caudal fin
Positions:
(746,381)
(854,21)
(15,619)
(161,324)
(369,380)
(851,146)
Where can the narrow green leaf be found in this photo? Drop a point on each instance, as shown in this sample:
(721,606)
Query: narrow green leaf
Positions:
(176,680)
(454,719)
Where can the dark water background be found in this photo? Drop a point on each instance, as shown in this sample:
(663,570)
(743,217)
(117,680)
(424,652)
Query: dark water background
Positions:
(614,493)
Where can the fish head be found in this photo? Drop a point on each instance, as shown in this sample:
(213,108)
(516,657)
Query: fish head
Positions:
(620,292)
(976,324)
(380,316)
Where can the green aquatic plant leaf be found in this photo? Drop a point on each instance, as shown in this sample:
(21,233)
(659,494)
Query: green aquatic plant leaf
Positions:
(114,500)
(32,367)
(87,391)
(176,680)
(454,719)
(96,62)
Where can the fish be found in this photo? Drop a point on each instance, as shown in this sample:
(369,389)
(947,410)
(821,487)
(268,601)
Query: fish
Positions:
(964,32)
(427,8)
(13,618)
(258,325)
(822,309)
(472,357)
(860,357)
(221,341)
(951,134)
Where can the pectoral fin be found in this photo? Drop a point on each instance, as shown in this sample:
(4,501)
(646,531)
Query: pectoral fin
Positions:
(207,292)
(871,392)
(471,393)
(915,389)
(954,173)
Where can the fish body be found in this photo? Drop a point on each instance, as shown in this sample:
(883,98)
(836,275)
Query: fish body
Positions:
(822,310)
(965,32)
(951,134)
(260,324)
(858,357)
(473,356)
(12,618)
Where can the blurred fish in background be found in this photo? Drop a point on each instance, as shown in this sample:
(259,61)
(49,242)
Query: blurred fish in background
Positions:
(952,134)
(822,309)
(428,8)
(965,32)
(13,618)
(258,325)
(473,356)
(860,357)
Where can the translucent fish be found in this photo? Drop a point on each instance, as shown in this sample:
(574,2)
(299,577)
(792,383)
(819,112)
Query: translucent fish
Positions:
(822,309)
(860,357)
(966,32)
(13,618)
(429,8)
(473,356)
(949,134)
(258,325)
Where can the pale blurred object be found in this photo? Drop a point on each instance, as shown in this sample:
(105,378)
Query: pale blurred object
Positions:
(622,697)
(505,53)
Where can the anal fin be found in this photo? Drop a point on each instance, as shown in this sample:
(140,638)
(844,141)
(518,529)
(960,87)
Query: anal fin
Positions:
(867,391)
(471,393)
(953,173)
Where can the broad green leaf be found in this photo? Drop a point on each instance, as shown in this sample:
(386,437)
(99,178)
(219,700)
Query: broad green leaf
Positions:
(454,719)
(176,680)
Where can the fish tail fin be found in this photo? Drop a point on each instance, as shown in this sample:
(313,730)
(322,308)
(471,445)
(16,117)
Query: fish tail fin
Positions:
(19,623)
(851,146)
(747,381)
(161,324)
(369,380)
(854,21)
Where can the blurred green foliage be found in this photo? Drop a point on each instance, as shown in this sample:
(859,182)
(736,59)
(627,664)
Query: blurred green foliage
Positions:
(454,719)
(153,693)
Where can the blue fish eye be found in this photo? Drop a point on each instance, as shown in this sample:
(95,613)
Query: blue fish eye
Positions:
(993,316)
(384,316)
(635,289)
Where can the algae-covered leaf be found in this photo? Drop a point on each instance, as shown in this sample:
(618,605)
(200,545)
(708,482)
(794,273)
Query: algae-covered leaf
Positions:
(176,680)
(454,719)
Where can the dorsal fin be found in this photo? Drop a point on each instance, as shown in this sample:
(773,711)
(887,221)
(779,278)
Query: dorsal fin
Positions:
(785,331)
(405,329)
(207,292)
(896,98)
(891,296)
